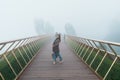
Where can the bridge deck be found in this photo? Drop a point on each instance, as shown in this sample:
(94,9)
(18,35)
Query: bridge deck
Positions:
(71,69)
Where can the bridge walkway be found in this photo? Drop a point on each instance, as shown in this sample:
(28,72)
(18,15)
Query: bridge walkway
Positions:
(41,68)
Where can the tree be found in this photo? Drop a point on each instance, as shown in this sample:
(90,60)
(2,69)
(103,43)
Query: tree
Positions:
(43,27)
(39,26)
(70,29)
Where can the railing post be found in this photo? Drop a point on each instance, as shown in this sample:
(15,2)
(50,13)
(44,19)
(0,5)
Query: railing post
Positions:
(17,59)
(2,76)
(10,65)
(33,44)
(110,68)
(95,57)
(21,52)
(98,51)
(26,45)
(80,49)
(86,52)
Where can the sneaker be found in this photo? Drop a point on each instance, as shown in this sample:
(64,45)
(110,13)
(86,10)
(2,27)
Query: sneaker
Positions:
(61,62)
(54,62)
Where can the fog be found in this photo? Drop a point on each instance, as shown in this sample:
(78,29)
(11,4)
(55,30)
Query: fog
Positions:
(90,18)
(16,19)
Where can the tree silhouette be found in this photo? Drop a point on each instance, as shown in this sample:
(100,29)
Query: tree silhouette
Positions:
(70,29)
(43,27)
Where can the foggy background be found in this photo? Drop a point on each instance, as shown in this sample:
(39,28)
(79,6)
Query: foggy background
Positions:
(89,18)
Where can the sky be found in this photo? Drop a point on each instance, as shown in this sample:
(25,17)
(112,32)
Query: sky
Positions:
(90,18)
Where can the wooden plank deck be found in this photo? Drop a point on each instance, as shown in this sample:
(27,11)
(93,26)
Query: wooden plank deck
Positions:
(71,69)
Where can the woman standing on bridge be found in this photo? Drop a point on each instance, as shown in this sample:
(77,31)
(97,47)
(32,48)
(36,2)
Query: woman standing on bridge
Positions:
(56,50)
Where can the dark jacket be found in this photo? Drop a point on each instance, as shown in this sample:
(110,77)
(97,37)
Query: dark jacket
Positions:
(56,45)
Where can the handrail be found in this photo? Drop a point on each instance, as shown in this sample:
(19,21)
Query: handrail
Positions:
(93,51)
(17,54)
(102,41)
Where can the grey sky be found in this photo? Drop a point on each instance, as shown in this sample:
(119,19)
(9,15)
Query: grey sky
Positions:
(90,18)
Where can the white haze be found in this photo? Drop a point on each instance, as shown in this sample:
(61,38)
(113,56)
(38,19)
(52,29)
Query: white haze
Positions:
(90,18)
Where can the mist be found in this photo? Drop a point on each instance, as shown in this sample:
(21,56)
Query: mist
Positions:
(16,20)
(90,18)
(43,27)
(114,31)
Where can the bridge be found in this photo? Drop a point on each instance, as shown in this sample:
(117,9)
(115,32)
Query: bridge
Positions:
(84,59)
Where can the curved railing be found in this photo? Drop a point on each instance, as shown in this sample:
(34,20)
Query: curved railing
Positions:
(16,55)
(102,57)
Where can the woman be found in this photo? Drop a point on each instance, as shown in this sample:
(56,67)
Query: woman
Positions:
(56,50)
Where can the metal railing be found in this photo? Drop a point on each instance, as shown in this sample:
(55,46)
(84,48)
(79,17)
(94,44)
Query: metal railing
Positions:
(102,57)
(16,55)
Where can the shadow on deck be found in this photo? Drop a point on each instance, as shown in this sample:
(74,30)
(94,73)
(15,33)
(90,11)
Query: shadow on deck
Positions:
(71,69)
